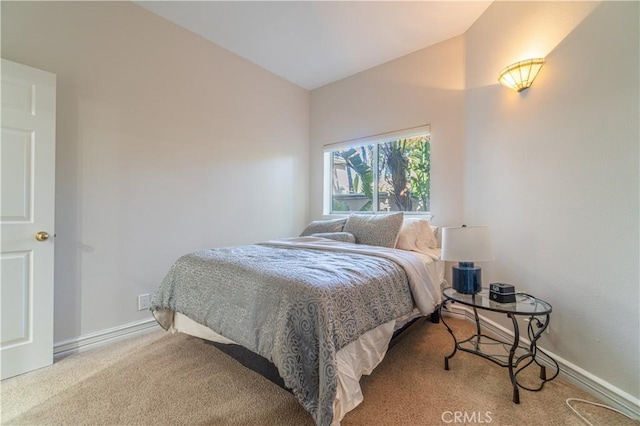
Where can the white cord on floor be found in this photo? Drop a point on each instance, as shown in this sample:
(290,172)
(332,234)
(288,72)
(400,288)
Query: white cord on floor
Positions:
(569,400)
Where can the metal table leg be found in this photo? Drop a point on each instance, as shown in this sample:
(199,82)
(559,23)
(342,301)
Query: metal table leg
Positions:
(455,341)
(512,353)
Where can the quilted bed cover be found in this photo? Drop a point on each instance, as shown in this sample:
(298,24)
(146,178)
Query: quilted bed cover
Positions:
(297,302)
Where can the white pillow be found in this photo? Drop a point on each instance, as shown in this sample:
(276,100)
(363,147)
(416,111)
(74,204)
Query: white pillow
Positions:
(416,235)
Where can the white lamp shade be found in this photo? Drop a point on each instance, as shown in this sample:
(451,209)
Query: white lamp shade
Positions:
(467,244)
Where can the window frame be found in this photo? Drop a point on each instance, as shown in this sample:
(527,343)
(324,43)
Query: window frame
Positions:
(375,140)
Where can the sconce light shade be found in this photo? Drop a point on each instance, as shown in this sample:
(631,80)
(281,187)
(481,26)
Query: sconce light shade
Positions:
(520,75)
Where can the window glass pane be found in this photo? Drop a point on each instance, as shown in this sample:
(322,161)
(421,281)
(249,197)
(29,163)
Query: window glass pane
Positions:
(404,175)
(352,179)
(380,173)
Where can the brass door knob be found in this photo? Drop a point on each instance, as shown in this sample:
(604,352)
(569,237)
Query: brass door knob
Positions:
(42,236)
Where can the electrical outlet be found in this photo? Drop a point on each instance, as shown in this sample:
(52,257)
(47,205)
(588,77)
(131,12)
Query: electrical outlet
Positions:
(143,302)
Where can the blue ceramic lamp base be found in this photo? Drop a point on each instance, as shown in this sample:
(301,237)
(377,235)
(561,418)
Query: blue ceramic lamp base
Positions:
(467,278)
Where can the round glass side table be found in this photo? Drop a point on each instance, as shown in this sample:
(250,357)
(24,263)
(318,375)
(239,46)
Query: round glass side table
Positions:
(513,355)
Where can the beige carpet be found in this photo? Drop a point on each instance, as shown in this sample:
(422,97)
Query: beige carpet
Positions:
(164,379)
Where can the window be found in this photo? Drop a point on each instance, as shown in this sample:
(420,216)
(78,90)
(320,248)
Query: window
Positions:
(383,173)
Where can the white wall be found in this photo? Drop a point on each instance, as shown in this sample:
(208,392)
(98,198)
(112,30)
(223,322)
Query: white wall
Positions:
(425,87)
(166,144)
(554,172)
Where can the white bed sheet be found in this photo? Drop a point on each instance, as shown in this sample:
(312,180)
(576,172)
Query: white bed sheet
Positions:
(356,359)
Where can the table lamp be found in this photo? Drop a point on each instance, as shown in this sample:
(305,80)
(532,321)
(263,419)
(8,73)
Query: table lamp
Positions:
(466,244)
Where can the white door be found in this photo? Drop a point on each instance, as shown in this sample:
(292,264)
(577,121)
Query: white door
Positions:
(27,179)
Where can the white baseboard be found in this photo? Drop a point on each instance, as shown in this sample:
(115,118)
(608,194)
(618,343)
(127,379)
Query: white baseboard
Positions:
(577,376)
(111,335)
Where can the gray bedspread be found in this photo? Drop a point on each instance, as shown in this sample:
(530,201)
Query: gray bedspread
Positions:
(294,306)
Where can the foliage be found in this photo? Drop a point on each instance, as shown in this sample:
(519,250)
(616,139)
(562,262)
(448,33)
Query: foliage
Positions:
(393,167)
(363,181)
(404,167)
(420,177)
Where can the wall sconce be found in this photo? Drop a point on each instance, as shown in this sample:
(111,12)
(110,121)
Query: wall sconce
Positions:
(520,75)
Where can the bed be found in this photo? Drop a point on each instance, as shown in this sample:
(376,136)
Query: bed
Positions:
(321,307)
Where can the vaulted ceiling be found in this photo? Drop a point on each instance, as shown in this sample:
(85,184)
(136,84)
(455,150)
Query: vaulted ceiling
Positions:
(313,43)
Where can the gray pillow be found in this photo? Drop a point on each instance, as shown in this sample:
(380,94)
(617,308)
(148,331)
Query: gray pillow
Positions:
(375,230)
(322,226)
(344,237)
